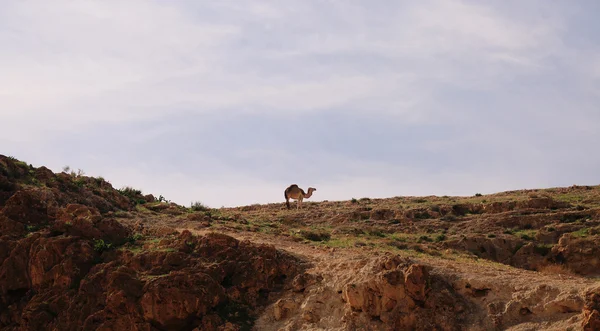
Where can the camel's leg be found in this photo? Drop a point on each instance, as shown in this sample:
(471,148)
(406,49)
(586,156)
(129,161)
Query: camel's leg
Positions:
(299,202)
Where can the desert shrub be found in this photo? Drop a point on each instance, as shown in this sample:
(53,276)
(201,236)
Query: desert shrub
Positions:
(199,206)
(542,250)
(315,235)
(100,245)
(478,194)
(376,233)
(525,236)
(491,235)
(422,215)
(130,192)
(424,238)
(449,218)
(135,237)
(440,237)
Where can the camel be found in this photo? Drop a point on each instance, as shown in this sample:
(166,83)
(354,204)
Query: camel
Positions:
(296,193)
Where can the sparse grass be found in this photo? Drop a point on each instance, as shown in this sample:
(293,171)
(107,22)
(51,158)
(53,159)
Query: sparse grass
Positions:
(555,269)
(581,233)
(344,242)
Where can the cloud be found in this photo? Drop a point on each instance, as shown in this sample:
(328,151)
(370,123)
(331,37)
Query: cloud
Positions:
(241,98)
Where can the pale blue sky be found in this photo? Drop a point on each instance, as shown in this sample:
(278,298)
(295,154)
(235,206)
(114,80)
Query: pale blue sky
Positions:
(228,102)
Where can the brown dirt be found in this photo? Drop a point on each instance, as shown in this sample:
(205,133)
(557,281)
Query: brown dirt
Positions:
(76,254)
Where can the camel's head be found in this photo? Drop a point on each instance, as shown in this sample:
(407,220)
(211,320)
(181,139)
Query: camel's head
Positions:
(311,189)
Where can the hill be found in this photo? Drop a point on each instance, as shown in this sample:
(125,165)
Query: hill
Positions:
(78,254)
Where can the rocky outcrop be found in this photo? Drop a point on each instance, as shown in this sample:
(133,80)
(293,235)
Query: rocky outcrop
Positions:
(385,293)
(579,254)
(64,282)
(499,249)
(591,311)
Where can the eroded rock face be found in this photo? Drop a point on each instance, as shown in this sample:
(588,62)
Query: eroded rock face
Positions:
(591,311)
(61,281)
(580,255)
(384,293)
(404,296)
(81,221)
(67,265)
(30,207)
(499,249)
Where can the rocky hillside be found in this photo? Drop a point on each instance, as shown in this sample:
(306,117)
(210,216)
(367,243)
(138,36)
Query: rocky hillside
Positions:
(77,254)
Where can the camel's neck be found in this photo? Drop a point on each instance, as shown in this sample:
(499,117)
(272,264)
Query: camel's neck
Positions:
(307,195)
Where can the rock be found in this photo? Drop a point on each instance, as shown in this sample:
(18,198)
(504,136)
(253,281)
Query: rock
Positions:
(170,302)
(542,203)
(591,311)
(415,281)
(382,214)
(283,307)
(499,207)
(302,281)
(86,222)
(30,207)
(580,255)
(149,198)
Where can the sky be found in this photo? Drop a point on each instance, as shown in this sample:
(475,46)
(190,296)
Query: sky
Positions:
(229,102)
